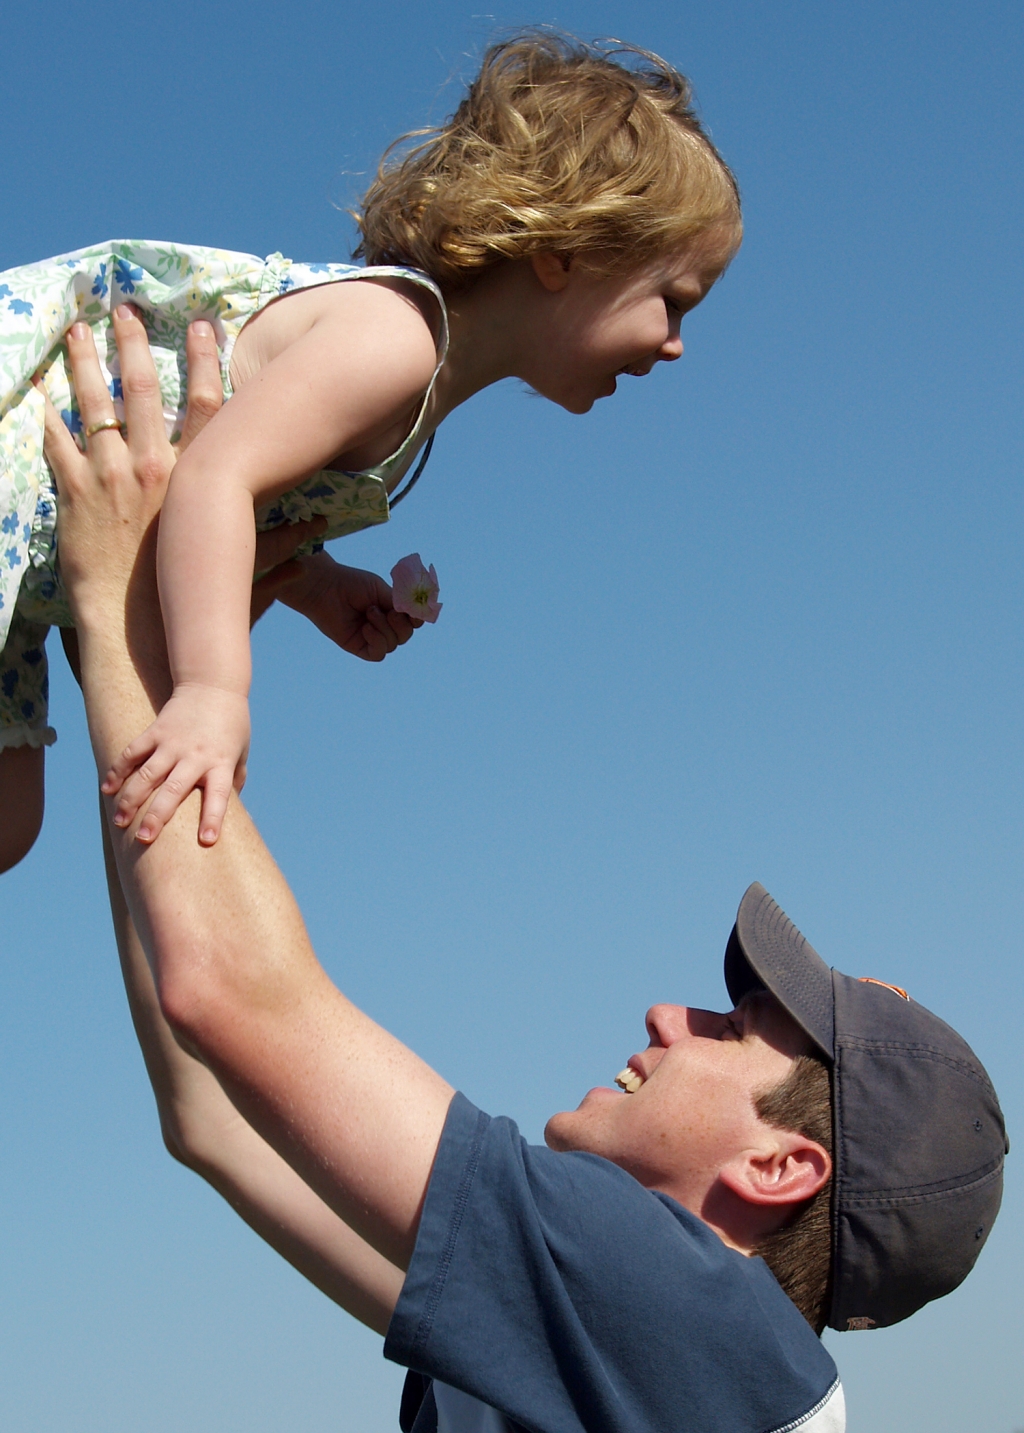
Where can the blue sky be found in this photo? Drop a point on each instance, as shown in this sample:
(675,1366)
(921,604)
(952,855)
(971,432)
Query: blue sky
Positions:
(758,617)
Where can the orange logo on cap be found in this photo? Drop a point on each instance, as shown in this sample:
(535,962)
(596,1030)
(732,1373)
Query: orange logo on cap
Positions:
(897,989)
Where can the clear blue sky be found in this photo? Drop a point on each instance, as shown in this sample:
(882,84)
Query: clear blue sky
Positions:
(758,617)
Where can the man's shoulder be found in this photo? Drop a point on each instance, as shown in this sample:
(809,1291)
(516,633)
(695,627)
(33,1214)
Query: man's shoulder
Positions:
(612,1305)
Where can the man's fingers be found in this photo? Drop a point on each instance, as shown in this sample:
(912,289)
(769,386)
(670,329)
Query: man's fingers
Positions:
(61,450)
(205,387)
(95,404)
(278,544)
(266,591)
(143,404)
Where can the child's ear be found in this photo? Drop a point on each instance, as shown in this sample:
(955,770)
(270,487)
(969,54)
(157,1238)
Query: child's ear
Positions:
(552,270)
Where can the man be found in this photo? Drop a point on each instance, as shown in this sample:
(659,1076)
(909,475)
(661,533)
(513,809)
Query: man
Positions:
(609,1281)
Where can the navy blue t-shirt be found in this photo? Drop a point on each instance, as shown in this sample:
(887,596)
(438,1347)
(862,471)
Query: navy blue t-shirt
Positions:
(556,1289)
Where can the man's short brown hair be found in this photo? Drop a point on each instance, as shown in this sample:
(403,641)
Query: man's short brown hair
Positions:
(800,1253)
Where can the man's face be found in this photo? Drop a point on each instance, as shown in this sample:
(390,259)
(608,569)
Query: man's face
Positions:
(694,1111)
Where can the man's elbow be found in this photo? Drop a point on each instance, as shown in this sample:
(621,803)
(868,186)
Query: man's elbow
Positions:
(193,1006)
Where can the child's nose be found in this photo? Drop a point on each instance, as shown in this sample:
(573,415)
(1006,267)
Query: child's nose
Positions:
(671,349)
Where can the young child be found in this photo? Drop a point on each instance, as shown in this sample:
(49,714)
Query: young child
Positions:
(556,229)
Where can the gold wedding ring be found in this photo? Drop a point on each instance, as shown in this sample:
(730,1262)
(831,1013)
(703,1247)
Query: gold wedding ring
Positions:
(94,428)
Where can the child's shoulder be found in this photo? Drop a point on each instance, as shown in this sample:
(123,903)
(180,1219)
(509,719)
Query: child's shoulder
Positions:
(370,317)
(404,300)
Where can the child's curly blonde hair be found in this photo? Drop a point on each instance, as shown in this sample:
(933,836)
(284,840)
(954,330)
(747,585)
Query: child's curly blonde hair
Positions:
(557,147)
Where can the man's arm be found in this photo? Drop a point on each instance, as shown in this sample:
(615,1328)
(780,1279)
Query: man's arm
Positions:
(356,1114)
(202,1129)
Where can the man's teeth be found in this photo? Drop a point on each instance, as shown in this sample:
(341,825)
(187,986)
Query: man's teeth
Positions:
(629,1080)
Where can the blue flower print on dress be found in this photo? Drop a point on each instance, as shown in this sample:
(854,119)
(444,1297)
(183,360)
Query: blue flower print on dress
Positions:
(20,306)
(286,284)
(8,682)
(28,710)
(99,284)
(126,276)
(319,268)
(9,524)
(72,420)
(33,658)
(116,391)
(5,291)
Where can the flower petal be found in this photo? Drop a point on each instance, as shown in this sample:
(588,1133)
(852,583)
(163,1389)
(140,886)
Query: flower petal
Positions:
(415,588)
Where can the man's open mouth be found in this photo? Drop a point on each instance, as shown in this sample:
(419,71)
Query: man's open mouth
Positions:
(629,1080)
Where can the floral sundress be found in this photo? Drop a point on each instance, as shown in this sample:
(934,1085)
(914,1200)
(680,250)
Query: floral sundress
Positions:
(171,285)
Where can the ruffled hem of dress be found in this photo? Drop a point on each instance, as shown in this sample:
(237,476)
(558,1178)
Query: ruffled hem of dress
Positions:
(22,735)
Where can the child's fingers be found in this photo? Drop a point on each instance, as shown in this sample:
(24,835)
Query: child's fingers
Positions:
(181,781)
(378,635)
(143,405)
(205,388)
(217,790)
(403,625)
(123,765)
(139,787)
(178,784)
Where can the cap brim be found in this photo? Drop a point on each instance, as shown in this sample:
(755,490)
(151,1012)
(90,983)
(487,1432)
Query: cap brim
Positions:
(766,951)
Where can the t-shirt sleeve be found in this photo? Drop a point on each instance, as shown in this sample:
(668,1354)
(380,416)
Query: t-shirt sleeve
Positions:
(557,1289)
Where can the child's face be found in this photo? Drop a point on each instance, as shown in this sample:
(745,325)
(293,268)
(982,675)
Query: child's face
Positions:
(602,326)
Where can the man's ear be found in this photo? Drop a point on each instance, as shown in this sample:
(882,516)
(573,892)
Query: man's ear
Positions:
(552,270)
(789,1171)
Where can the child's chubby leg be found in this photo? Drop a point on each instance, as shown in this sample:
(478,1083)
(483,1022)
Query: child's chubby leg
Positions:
(21,801)
(24,736)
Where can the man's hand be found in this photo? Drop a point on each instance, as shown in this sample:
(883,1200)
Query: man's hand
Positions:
(110,497)
(119,514)
(352,607)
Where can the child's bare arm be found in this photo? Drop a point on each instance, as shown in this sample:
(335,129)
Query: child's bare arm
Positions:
(353,375)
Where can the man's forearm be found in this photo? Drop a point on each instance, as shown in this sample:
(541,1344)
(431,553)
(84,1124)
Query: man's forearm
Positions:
(355,1113)
(204,1130)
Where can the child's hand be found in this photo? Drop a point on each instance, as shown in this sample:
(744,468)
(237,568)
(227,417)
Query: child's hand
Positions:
(352,607)
(200,738)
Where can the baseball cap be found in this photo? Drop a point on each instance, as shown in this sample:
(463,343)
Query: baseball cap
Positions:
(918,1135)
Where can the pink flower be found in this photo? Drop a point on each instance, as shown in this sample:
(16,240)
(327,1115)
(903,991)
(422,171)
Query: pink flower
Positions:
(415,588)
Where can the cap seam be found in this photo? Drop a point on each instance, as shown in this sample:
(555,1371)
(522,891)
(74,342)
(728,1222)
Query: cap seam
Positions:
(921,1194)
(915,1051)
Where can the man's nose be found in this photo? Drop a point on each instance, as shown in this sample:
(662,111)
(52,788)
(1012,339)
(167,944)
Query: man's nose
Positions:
(668,1023)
